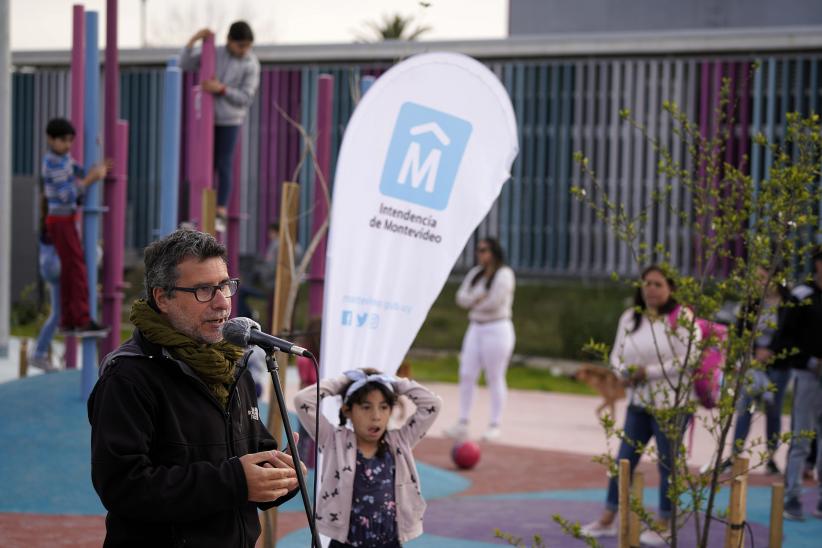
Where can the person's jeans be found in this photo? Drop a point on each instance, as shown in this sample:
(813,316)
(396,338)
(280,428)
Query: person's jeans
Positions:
(773,411)
(225,140)
(639,427)
(50,272)
(807,415)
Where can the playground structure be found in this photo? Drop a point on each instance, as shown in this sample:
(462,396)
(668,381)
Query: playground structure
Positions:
(186,193)
(566,98)
(563,104)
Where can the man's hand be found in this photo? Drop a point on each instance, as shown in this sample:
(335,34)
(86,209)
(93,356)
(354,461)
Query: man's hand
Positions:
(212,86)
(201,34)
(267,477)
(287,461)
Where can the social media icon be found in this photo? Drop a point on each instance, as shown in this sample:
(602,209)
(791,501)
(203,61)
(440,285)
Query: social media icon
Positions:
(424,156)
(346,317)
(361,319)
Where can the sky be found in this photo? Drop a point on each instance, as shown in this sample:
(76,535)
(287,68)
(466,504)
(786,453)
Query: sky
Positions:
(46,24)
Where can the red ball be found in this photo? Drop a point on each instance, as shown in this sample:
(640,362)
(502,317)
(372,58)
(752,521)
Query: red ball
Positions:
(465,454)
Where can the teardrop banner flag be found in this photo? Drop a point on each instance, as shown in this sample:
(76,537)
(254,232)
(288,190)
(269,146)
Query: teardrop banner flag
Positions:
(423,158)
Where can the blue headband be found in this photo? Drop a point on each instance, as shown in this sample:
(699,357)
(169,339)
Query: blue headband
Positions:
(360,379)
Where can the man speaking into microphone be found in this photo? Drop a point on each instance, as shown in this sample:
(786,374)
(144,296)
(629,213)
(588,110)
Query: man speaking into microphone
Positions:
(179,455)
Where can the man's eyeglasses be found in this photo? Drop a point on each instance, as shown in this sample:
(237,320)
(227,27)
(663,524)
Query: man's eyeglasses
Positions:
(206,293)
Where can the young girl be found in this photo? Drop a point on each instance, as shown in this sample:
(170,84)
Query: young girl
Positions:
(370,494)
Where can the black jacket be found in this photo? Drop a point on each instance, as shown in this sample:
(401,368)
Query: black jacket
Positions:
(165,454)
(802,325)
(743,324)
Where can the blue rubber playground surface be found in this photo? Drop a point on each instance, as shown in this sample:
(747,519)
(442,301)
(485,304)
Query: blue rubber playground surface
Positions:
(45,472)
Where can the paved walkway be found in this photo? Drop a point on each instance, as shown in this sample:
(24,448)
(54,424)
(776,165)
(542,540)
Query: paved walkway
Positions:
(540,467)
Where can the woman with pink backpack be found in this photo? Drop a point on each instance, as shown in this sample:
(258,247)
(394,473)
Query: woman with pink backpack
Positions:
(649,349)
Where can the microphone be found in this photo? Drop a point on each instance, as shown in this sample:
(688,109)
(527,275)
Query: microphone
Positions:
(245,332)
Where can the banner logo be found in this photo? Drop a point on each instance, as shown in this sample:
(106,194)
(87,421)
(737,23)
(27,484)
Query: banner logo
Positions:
(424,156)
(360,319)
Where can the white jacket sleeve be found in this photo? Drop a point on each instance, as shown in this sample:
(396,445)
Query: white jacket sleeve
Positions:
(306,404)
(468,295)
(683,341)
(624,326)
(502,287)
(428,407)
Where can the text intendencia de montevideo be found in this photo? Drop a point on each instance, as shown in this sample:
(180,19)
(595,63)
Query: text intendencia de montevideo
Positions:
(424,231)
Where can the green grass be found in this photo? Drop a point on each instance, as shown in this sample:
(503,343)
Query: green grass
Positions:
(445,369)
(552,319)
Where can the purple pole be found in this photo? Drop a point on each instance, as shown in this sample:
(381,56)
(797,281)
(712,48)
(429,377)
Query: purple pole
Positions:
(233,235)
(325,95)
(744,126)
(729,69)
(78,76)
(275,122)
(115,211)
(704,130)
(115,240)
(201,135)
(185,140)
(716,91)
(266,153)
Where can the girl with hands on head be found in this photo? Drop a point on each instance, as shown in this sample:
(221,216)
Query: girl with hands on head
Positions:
(370,494)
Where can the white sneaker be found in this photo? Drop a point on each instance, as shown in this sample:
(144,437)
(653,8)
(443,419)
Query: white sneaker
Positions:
(597,529)
(492,433)
(458,430)
(649,537)
(43,363)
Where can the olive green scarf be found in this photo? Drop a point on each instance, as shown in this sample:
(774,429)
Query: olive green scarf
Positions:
(213,363)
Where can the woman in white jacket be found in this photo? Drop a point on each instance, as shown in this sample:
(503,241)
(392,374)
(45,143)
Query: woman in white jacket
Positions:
(652,345)
(488,293)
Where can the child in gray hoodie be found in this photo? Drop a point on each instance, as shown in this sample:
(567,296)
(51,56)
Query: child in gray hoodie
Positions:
(233,86)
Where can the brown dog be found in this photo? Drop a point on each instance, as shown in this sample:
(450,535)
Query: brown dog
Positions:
(605,382)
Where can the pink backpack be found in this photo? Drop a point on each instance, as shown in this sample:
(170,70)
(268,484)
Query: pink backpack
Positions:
(708,379)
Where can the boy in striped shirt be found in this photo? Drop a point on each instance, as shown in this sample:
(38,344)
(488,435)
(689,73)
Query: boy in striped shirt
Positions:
(63,185)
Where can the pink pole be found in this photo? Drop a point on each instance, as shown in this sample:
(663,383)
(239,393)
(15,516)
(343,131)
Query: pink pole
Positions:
(115,230)
(78,79)
(325,106)
(201,135)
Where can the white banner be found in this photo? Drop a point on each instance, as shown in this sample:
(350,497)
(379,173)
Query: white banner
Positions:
(423,158)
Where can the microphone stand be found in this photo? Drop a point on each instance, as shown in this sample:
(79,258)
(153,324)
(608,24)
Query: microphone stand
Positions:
(274,370)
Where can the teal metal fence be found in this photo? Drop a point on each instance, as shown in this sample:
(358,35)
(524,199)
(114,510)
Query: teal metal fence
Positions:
(563,104)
